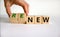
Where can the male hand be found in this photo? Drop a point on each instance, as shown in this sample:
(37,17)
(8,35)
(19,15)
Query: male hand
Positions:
(22,3)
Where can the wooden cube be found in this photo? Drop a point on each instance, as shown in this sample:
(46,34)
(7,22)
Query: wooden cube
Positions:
(21,18)
(13,18)
(38,19)
(45,19)
(30,19)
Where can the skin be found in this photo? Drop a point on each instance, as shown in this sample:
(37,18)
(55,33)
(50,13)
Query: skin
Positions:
(22,3)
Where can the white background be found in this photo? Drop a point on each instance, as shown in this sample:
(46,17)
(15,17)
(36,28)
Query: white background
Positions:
(36,7)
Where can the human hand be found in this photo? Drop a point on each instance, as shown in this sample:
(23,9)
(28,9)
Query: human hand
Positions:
(22,3)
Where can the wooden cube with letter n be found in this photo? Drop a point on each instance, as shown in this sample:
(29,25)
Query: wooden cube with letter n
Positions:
(45,19)
(30,19)
(13,18)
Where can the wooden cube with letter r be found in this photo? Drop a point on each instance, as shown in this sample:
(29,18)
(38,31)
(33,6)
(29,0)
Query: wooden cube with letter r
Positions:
(13,18)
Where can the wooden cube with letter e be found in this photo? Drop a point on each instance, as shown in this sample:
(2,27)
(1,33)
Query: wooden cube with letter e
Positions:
(38,19)
(21,18)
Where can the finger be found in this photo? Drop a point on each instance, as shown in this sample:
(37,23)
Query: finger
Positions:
(8,9)
(26,9)
(24,5)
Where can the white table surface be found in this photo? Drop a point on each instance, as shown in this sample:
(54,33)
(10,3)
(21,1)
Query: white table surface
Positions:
(30,30)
